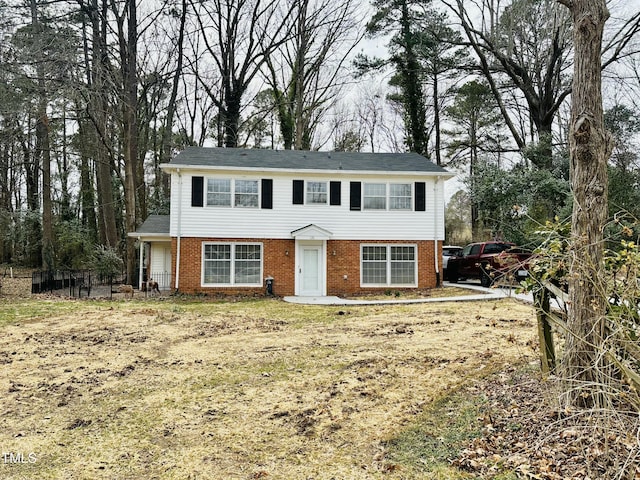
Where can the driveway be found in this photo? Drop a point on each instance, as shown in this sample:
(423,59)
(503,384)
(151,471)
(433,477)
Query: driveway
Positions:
(476,292)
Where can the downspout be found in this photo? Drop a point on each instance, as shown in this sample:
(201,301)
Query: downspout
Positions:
(179,202)
(436,259)
(141,245)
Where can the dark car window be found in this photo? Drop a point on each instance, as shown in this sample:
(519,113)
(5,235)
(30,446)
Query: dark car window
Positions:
(496,247)
(475,249)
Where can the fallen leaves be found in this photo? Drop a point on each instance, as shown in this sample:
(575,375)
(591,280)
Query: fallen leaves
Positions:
(524,432)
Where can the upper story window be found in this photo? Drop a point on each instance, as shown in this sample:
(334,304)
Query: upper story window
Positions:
(380,196)
(246,193)
(400,196)
(316,193)
(221,191)
(218,192)
(375,196)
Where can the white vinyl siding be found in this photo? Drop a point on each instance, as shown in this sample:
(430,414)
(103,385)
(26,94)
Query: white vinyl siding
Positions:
(285,217)
(227,264)
(388,265)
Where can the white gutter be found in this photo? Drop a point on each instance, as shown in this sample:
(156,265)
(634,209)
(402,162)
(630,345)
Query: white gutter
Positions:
(168,167)
(177,279)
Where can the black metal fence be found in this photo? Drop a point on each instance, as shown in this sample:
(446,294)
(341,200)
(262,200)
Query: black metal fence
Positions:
(74,283)
(162,279)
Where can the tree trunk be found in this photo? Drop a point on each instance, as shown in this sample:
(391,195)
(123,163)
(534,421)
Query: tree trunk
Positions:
(42,155)
(233,104)
(130,83)
(87,198)
(584,365)
(300,76)
(166,142)
(98,112)
(413,98)
(436,118)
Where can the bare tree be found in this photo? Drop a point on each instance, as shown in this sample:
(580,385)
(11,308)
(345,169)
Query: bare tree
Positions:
(95,123)
(166,144)
(527,42)
(238,35)
(305,72)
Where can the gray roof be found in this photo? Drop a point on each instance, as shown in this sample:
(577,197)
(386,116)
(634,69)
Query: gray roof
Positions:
(154,224)
(304,160)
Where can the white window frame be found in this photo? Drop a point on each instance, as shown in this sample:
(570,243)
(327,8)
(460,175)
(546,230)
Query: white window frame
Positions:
(233,193)
(387,197)
(236,193)
(410,196)
(232,280)
(365,196)
(388,262)
(229,193)
(308,195)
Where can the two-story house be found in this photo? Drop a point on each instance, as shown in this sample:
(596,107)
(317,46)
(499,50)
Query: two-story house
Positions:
(317,223)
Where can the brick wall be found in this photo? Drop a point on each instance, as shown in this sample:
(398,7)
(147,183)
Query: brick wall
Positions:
(343,259)
(346,261)
(278,262)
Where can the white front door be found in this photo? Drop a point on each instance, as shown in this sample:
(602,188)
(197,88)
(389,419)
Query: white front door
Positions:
(310,271)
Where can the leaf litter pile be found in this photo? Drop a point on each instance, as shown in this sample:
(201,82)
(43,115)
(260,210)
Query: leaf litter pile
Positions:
(524,431)
(251,389)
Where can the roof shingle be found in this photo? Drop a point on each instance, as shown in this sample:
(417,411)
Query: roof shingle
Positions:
(304,160)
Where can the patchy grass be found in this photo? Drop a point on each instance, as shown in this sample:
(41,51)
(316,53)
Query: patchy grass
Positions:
(176,389)
(428,446)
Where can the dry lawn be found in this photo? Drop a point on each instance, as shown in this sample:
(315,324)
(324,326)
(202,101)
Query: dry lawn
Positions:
(175,389)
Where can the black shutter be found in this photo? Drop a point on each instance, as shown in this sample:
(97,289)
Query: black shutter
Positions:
(421,197)
(197,191)
(298,192)
(356,195)
(334,193)
(267,193)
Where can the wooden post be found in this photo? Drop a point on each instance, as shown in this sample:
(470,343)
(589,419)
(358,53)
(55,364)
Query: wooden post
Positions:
(545,335)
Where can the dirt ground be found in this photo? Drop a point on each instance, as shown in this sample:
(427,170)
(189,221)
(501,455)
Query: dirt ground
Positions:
(179,389)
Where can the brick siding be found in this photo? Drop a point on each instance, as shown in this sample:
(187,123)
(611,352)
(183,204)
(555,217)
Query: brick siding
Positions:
(343,260)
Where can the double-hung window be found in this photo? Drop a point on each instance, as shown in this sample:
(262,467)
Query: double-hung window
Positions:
(232,264)
(388,265)
(317,193)
(225,192)
(375,196)
(382,196)
(399,196)
(246,193)
(219,192)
